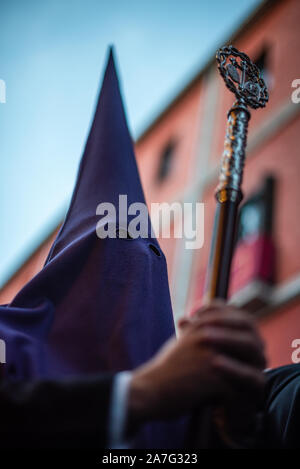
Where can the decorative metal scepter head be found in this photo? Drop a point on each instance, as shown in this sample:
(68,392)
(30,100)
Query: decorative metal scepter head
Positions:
(243,78)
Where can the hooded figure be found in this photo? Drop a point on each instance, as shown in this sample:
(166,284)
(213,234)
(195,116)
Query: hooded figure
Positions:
(100,304)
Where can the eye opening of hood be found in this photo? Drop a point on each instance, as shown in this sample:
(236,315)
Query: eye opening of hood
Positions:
(155,250)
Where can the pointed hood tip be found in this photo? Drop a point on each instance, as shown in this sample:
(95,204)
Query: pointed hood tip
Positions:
(111,59)
(111,52)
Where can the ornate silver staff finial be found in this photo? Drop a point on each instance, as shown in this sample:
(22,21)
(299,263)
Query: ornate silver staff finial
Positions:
(242,77)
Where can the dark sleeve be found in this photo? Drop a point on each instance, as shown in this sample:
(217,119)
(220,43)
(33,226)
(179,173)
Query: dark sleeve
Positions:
(282,408)
(55,414)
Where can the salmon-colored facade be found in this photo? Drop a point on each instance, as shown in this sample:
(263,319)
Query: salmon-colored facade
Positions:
(179,156)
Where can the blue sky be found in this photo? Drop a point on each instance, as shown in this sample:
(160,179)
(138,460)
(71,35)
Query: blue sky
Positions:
(52,54)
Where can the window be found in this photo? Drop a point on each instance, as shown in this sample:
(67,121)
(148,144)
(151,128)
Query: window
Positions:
(253,270)
(165,161)
(262,62)
(256,214)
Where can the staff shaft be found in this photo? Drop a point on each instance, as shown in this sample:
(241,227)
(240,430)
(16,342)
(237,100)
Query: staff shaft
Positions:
(229,196)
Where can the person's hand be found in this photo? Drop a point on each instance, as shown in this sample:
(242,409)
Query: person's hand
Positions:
(237,416)
(217,354)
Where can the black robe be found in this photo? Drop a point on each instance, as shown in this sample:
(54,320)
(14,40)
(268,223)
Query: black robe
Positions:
(58,414)
(281,425)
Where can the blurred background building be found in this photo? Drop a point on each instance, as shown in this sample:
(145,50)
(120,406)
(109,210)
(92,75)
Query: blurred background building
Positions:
(179,155)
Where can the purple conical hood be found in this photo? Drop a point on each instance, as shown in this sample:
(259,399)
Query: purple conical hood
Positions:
(108,167)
